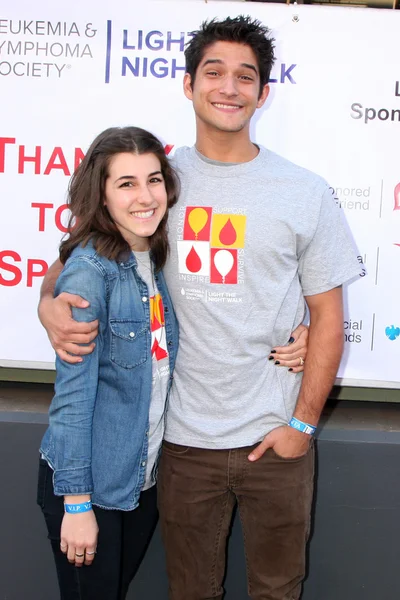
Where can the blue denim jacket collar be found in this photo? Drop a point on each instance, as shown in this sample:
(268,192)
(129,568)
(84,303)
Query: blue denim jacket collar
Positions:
(126,259)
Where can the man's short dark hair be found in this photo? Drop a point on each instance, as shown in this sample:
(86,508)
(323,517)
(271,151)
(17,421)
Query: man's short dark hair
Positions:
(241,30)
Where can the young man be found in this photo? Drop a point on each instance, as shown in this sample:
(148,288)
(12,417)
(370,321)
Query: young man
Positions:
(253,238)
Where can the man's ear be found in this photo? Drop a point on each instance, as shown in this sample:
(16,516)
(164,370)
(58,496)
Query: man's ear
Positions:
(264,96)
(187,86)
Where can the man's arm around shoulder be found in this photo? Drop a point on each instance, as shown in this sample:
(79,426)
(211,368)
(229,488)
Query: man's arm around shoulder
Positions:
(65,334)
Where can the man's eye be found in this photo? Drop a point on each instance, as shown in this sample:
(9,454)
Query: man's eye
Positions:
(246,77)
(213,73)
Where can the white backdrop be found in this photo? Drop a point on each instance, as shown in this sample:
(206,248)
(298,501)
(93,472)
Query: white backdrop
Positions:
(69,71)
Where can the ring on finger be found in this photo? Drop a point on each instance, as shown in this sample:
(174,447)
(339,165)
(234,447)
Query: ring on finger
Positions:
(301,361)
(79,555)
(90,553)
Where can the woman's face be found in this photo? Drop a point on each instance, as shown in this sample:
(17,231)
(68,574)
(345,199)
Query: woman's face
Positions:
(135,196)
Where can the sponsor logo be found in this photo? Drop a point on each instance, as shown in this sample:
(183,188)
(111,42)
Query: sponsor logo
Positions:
(353,331)
(352,198)
(43,49)
(358,111)
(392,332)
(49,48)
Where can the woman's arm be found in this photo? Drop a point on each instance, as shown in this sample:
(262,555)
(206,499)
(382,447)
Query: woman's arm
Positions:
(71,410)
(71,415)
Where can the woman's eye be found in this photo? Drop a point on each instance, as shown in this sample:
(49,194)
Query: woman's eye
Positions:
(155,180)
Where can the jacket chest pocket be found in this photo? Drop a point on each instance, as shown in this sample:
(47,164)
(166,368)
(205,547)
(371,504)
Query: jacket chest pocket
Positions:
(129,342)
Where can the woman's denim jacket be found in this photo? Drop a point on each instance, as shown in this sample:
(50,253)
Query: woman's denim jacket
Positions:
(97,440)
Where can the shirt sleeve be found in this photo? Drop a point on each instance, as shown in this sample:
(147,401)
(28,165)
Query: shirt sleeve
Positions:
(330,259)
(71,410)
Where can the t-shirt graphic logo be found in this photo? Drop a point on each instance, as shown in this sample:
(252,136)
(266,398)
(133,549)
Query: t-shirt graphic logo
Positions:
(210,244)
(157,324)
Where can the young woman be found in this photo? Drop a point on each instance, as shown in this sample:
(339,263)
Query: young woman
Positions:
(99,455)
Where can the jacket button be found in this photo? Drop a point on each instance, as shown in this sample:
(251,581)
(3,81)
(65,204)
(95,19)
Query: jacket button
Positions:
(166,309)
(132,334)
(144,299)
(170,343)
(143,463)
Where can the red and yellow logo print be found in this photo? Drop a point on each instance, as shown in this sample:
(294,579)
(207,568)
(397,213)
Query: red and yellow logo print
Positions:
(210,244)
(157,324)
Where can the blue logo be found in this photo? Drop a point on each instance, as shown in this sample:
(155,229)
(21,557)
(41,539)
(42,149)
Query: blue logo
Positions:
(392,332)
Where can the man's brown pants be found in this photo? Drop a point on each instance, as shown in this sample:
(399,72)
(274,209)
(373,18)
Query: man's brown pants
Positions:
(198,490)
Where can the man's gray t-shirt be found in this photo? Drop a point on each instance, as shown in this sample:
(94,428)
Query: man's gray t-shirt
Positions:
(248,242)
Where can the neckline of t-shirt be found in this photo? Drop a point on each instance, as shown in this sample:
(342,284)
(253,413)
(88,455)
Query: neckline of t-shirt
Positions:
(142,256)
(211,161)
(220,169)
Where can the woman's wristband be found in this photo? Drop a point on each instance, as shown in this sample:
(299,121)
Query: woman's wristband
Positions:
(78,508)
(303,427)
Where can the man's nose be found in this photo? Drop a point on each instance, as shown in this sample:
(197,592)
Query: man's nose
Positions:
(229,86)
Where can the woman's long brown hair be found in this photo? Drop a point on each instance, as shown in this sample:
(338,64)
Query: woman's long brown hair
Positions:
(90,219)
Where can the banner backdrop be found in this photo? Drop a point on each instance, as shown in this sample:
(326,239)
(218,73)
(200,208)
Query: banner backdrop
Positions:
(69,71)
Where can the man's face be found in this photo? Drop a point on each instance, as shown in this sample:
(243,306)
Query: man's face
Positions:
(226,91)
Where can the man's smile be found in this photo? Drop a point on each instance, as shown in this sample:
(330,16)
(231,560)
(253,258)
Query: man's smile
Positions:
(227,107)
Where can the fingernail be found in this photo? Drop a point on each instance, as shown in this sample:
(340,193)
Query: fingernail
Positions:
(291,340)
(273,351)
(277,362)
(290,369)
(270,358)
(251,457)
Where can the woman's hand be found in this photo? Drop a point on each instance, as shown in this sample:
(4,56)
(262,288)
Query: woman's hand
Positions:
(79,537)
(294,354)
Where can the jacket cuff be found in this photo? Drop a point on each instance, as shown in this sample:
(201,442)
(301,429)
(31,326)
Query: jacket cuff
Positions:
(73,481)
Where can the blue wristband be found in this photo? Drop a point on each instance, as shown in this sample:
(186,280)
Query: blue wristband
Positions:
(78,508)
(303,427)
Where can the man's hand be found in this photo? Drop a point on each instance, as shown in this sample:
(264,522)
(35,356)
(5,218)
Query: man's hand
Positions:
(285,441)
(289,356)
(64,333)
(79,537)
